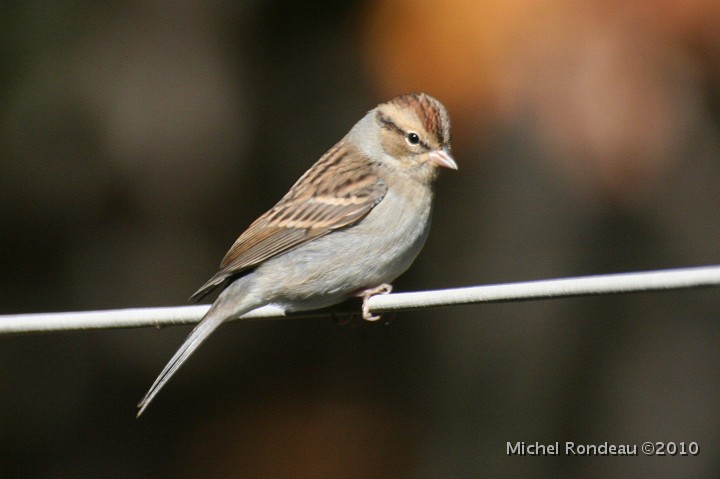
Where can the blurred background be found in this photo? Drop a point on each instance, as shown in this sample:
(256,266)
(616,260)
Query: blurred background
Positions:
(138,139)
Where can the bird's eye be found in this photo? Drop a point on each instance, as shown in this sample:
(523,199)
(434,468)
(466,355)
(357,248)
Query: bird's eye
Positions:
(413,138)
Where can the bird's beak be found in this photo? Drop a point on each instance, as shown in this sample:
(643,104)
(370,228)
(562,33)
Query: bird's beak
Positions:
(443,158)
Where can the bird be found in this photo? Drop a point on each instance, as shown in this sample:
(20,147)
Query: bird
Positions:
(350,225)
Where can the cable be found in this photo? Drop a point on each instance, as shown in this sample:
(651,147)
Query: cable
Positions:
(685,278)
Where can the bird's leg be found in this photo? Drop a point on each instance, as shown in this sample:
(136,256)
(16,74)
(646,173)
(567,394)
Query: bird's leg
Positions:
(366,294)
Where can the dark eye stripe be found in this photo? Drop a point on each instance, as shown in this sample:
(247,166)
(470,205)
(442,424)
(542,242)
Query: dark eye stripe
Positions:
(424,145)
(388,123)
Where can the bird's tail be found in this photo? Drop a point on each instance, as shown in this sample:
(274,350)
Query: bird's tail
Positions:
(215,316)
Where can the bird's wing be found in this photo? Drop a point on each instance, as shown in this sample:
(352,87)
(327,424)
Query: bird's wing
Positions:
(312,208)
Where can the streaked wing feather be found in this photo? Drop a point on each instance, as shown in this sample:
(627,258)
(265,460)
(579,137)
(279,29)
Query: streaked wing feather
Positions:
(305,213)
(253,249)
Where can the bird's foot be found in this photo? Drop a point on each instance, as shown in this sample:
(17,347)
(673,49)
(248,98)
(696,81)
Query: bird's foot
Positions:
(366,294)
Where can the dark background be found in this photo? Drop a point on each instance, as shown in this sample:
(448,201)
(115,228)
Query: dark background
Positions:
(137,139)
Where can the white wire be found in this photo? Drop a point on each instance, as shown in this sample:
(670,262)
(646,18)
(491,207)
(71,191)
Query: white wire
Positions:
(706,276)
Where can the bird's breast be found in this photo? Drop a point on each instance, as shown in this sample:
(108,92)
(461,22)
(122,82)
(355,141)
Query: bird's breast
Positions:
(375,250)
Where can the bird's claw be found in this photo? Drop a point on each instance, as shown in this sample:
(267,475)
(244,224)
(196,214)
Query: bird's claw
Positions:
(366,294)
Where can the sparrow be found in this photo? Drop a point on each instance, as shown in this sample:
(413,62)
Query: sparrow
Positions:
(349,226)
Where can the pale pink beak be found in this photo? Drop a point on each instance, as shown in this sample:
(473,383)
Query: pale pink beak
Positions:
(443,158)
